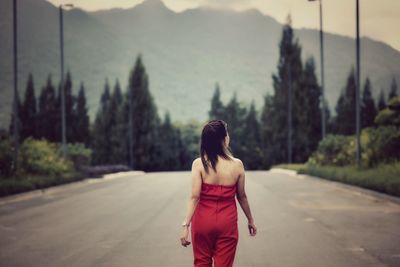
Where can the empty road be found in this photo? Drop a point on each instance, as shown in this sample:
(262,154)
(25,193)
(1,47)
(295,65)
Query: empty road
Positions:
(135,221)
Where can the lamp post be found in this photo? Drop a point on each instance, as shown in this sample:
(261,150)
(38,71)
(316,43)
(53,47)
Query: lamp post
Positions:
(62,89)
(321,41)
(15,100)
(358,143)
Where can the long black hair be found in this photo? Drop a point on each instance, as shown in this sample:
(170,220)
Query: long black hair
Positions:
(212,143)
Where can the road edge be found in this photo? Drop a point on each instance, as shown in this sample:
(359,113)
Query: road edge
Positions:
(358,189)
(61,187)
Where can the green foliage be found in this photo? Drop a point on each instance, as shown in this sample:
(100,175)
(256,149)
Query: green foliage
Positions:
(78,154)
(345,108)
(393,89)
(6,158)
(41,157)
(368,109)
(81,122)
(380,145)
(48,116)
(381,101)
(28,114)
(336,150)
(391,114)
(384,177)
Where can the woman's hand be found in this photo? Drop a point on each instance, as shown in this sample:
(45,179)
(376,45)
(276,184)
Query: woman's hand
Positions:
(252,228)
(184,237)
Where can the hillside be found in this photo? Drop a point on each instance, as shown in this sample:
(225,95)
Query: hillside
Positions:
(185,53)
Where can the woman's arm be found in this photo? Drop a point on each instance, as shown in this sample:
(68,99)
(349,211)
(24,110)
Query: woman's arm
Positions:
(242,199)
(193,200)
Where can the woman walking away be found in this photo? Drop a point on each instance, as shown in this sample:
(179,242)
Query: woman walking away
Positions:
(216,178)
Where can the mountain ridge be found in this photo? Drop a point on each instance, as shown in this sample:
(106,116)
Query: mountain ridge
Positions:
(185,54)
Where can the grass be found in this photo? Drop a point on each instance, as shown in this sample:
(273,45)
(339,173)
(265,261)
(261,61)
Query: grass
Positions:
(14,185)
(384,178)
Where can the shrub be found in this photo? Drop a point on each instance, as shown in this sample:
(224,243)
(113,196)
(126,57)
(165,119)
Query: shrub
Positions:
(42,157)
(6,158)
(380,145)
(334,149)
(391,114)
(79,155)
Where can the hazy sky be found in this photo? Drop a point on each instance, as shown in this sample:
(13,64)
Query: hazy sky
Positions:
(380,19)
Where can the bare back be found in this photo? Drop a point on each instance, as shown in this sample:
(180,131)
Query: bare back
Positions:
(227,172)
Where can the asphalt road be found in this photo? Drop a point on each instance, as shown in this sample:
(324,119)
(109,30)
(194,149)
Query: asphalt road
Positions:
(135,221)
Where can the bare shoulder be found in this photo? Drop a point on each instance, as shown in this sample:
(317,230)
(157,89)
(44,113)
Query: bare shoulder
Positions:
(239,164)
(197,163)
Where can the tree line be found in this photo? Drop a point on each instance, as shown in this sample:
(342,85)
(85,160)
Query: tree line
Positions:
(127,128)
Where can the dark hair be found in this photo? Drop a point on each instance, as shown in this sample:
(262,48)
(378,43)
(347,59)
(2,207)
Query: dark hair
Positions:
(211,143)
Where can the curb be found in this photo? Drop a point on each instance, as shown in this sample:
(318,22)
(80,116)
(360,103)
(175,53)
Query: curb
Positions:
(359,190)
(59,188)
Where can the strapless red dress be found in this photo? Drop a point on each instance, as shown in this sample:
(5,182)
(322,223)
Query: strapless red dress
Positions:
(214,227)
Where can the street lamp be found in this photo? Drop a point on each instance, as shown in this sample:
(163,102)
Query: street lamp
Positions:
(62,89)
(321,41)
(358,143)
(15,100)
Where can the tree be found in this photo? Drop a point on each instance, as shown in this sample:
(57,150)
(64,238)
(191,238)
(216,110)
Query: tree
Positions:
(101,129)
(234,116)
(28,113)
(169,158)
(393,89)
(346,108)
(48,113)
(145,120)
(267,130)
(288,78)
(217,107)
(81,124)
(381,101)
(253,157)
(368,109)
(308,114)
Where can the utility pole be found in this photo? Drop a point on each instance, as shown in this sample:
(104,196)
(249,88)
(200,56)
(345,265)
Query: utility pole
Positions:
(62,89)
(358,146)
(130,130)
(15,101)
(321,42)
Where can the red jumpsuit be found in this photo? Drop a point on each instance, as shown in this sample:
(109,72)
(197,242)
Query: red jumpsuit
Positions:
(214,226)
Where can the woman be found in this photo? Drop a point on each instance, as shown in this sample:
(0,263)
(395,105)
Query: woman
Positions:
(216,178)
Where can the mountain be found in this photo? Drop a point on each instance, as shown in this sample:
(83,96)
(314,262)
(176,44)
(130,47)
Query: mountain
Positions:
(185,53)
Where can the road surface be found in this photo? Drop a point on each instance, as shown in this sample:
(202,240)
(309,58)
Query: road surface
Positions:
(135,221)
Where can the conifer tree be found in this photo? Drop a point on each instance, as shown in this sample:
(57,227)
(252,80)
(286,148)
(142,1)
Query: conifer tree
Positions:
(48,115)
(368,109)
(252,140)
(381,101)
(346,108)
(234,116)
(169,158)
(118,127)
(217,107)
(145,119)
(29,111)
(393,89)
(81,123)
(101,131)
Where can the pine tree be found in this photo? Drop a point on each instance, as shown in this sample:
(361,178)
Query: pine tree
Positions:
(234,116)
(267,130)
(101,130)
(308,114)
(18,117)
(48,113)
(252,140)
(118,127)
(289,76)
(145,119)
(29,111)
(368,109)
(169,158)
(81,124)
(381,101)
(393,89)
(345,108)
(217,107)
